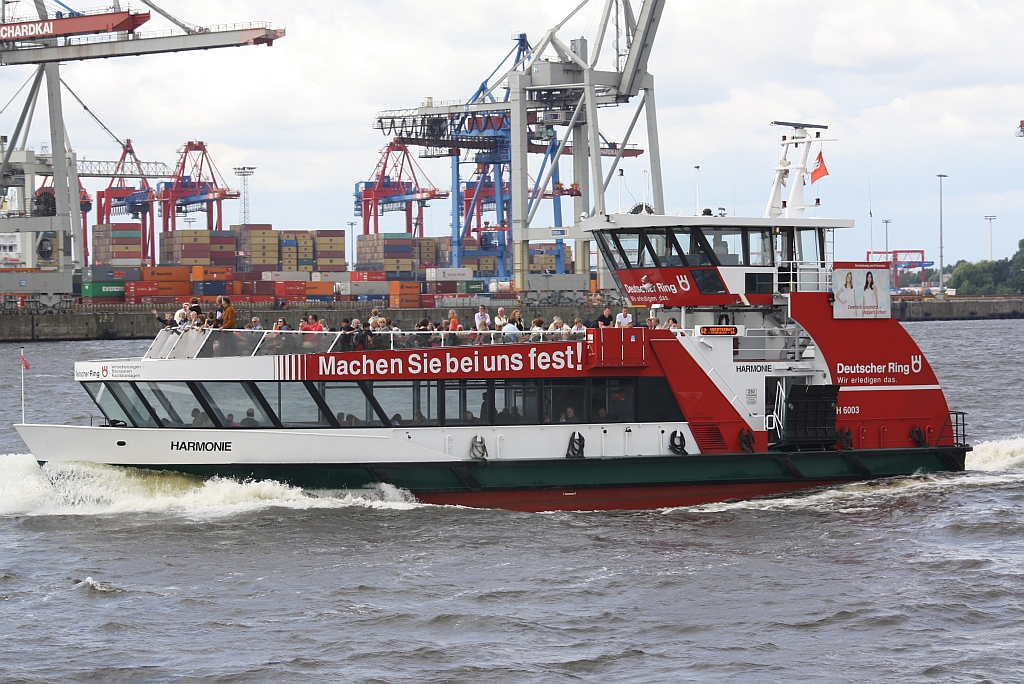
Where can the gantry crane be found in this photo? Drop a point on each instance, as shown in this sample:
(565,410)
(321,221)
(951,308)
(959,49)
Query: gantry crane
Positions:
(549,85)
(45,41)
(197,185)
(397,184)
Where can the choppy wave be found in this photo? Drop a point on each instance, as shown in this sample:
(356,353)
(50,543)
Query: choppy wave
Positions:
(95,489)
(998,455)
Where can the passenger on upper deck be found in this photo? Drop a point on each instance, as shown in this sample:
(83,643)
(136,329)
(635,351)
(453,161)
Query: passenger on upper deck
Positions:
(167,319)
(624,319)
(227,318)
(500,319)
(194,306)
(255,323)
(605,320)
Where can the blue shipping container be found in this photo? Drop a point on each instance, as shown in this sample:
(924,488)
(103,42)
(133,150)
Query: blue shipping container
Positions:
(209,288)
(289,243)
(319,298)
(372,298)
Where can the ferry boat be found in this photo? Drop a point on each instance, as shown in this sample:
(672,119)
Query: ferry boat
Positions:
(786,372)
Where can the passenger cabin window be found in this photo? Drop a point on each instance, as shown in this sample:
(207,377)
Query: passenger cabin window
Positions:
(808,247)
(293,404)
(175,404)
(235,404)
(349,405)
(112,411)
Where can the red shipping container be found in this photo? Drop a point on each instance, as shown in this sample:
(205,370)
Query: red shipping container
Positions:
(262,299)
(328,254)
(332,268)
(222,241)
(441,287)
(344,298)
(369,276)
(174,288)
(427,301)
(126,241)
(329,233)
(263,287)
(292,298)
(284,288)
(139,288)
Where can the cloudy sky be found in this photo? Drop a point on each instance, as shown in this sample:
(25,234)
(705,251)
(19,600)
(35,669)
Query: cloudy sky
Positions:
(909,88)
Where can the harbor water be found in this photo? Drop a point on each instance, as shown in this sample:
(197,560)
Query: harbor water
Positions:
(110,574)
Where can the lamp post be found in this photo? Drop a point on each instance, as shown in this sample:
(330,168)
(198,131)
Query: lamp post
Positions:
(696,203)
(942,285)
(990,219)
(888,256)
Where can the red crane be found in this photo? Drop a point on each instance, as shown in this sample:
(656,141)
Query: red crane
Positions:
(121,199)
(197,186)
(395,186)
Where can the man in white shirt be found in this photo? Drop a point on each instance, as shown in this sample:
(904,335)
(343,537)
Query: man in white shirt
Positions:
(624,319)
(482,317)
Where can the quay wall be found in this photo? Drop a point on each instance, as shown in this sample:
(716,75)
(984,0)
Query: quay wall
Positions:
(136,322)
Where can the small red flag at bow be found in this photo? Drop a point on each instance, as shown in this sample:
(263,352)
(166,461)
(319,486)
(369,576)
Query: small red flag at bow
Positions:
(818,171)
(24,363)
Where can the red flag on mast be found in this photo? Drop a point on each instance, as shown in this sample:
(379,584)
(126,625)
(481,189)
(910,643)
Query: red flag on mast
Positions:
(818,171)
(24,363)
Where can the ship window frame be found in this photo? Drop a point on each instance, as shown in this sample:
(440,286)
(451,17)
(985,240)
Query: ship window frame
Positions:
(250,389)
(103,389)
(671,242)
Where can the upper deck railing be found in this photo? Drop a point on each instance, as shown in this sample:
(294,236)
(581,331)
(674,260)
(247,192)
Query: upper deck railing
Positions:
(196,343)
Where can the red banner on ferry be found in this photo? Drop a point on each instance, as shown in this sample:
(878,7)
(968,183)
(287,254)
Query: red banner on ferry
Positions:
(545,360)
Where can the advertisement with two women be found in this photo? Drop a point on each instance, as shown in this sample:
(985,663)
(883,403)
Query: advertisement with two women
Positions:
(861,290)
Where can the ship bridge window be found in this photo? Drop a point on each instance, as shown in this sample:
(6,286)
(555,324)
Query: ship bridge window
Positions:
(610,249)
(727,244)
(235,404)
(665,249)
(692,245)
(808,246)
(294,404)
(106,402)
(760,247)
(175,404)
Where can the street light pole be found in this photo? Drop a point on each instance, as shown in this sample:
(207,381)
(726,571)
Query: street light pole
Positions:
(990,219)
(942,287)
(696,204)
(888,256)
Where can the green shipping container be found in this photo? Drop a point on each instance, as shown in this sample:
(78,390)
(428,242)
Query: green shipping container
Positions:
(101,289)
(469,286)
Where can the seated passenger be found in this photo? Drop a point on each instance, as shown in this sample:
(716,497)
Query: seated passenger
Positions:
(469,419)
(396,420)
(504,417)
(570,415)
(250,419)
(340,418)
(510,333)
(419,419)
(515,415)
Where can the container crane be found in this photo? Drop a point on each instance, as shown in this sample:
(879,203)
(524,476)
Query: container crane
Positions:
(549,85)
(46,41)
(197,185)
(122,199)
(397,184)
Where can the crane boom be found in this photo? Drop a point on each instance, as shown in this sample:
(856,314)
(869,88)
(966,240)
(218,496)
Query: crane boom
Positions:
(640,49)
